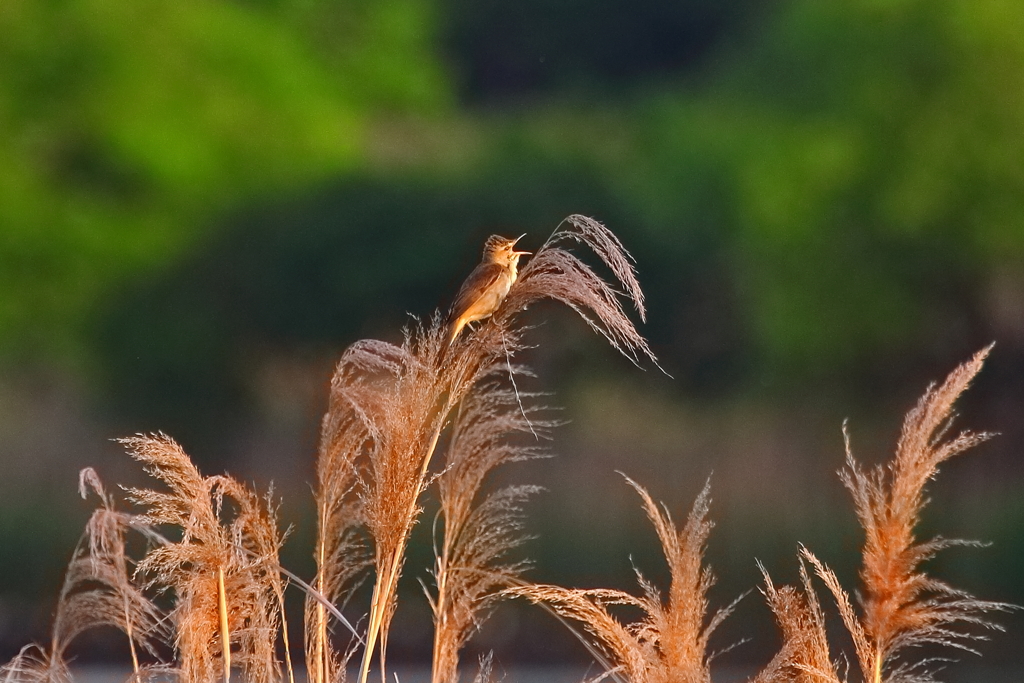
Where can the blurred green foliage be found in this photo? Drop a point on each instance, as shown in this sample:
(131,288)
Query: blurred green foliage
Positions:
(503,50)
(125,128)
(810,188)
(854,168)
(820,184)
(874,152)
(814,190)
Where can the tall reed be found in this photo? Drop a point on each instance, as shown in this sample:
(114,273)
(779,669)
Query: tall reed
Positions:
(223,568)
(901,605)
(341,553)
(210,541)
(106,563)
(670,643)
(389,404)
(97,591)
(805,656)
(479,528)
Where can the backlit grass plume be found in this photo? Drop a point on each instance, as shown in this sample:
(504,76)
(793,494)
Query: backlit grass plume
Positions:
(223,569)
(805,656)
(478,528)
(341,553)
(98,591)
(389,404)
(901,606)
(670,643)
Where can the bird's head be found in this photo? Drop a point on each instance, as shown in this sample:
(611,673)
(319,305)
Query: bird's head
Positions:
(502,250)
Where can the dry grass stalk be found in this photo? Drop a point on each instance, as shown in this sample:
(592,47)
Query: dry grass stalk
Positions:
(479,529)
(389,404)
(670,644)
(35,664)
(677,627)
(385,397)
(229,539)
(901,605)
(556,273)
(97,591)
(225,632)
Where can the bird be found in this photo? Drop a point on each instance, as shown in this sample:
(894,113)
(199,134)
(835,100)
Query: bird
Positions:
(488,284)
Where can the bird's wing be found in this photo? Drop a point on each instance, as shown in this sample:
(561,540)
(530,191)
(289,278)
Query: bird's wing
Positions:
(482,277)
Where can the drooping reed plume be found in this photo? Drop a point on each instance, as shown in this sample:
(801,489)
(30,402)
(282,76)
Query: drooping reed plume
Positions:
(478,528)
(901,606)
(389,404)
(223,569)
(670,643)
(98,591)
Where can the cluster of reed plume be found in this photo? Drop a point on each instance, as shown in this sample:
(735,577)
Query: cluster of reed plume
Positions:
(209,588)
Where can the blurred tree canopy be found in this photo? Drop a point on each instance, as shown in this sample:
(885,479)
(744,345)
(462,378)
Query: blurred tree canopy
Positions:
(852,174)
(811,188)
(125,127)
(503,51)
(873,154)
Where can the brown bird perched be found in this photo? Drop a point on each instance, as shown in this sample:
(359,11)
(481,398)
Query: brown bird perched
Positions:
(488,284)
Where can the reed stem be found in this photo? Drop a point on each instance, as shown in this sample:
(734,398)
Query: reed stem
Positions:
(320,645)
(439,610)
(222,600)
(284,637)
(387,581)
(131,638)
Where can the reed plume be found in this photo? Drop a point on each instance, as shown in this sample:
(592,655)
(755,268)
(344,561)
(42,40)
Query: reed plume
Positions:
(341,553)
(479,529)
(805,656)
(901,605)
(389,404)
(97,591)
(670,643)
(224,568)
(380,431)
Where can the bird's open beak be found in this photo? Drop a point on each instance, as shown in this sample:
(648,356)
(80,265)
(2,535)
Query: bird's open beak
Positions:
(521,253)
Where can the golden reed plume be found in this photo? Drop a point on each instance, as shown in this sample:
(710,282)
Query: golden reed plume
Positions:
(670,643)
(901,606)
(224,569)
(389,404)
